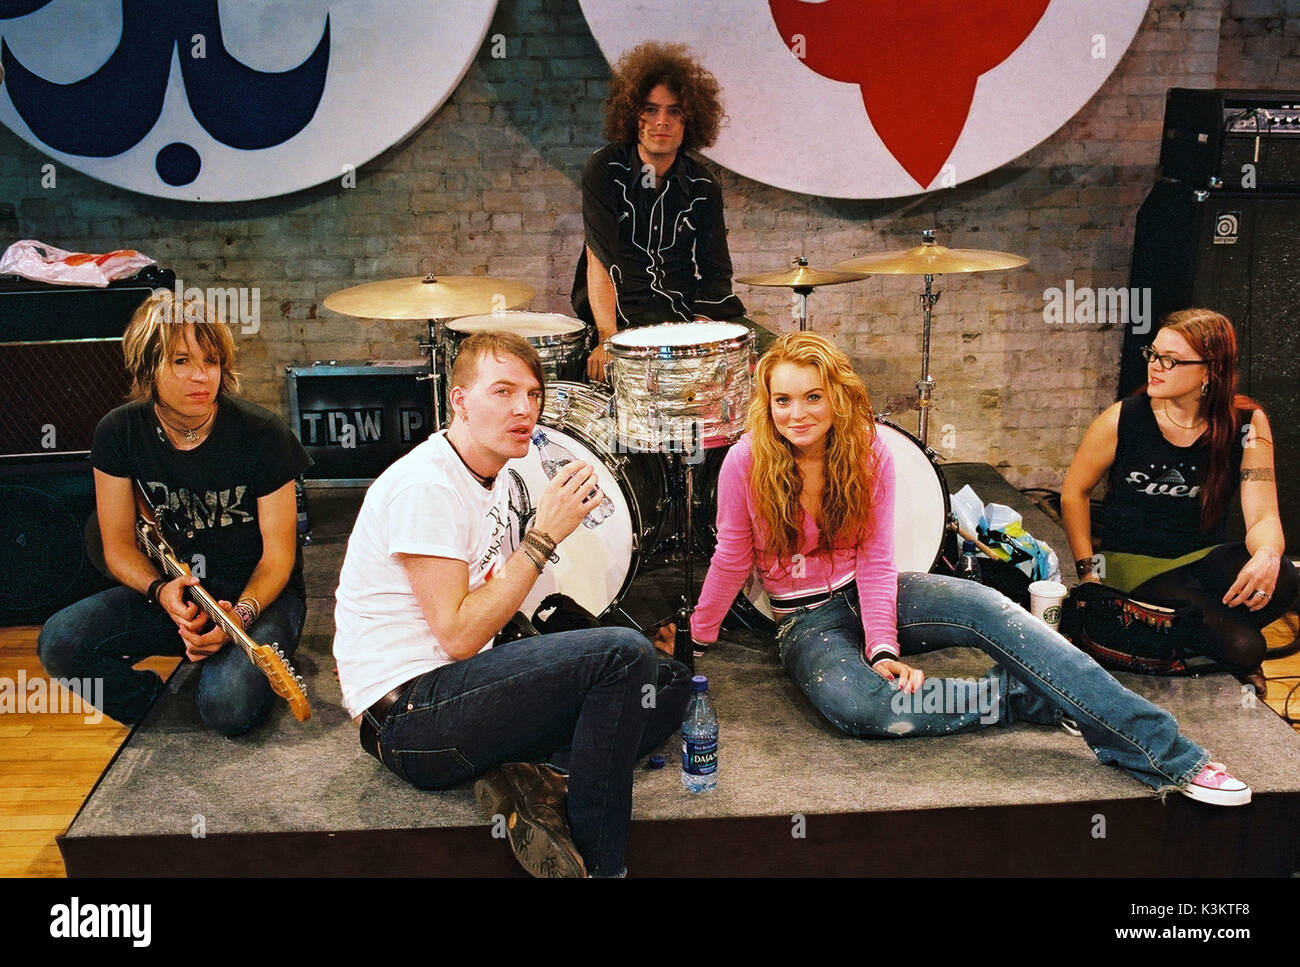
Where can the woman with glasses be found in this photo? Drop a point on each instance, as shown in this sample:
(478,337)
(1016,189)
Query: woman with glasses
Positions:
(1174,453)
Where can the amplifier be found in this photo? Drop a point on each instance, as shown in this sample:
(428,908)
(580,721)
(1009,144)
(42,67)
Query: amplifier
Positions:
(61,366)
(1232,139)
(356,418)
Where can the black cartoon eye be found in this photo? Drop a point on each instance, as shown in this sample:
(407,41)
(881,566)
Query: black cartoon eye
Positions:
(110,111)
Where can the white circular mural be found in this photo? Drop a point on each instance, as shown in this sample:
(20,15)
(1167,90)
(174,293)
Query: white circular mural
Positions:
(881,98)
(233,100)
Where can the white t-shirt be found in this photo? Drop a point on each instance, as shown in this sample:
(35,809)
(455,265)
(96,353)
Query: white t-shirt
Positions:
(425,503)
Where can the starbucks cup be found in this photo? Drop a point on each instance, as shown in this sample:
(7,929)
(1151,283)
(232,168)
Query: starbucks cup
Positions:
(1045,599)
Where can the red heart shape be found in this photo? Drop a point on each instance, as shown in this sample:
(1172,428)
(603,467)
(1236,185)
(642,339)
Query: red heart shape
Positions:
(915,61)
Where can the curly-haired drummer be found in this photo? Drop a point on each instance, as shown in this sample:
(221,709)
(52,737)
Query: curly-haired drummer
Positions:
(656,242)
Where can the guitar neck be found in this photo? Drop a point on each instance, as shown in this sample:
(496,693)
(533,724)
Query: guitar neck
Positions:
(208,603)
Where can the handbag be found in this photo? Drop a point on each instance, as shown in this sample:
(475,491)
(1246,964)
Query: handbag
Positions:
(1123,634)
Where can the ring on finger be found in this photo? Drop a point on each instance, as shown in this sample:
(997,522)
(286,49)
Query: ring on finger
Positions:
(1260,594)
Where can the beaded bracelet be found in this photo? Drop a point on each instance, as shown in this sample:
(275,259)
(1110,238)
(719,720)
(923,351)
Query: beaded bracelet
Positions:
(254,605)
(246,615)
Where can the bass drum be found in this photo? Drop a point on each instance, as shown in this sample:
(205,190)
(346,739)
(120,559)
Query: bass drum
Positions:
(921,512)
(597,564)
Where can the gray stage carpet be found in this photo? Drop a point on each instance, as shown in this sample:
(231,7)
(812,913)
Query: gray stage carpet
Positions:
(173,779)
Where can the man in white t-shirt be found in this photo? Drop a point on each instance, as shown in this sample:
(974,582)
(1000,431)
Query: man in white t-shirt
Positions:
(424,589)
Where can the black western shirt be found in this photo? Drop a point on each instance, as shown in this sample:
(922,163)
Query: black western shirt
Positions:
(664,244)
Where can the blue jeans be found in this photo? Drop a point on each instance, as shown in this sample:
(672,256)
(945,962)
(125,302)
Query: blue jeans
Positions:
(596,699)
(104,635)
(1040,677)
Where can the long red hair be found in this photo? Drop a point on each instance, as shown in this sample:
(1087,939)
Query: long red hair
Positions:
(1212,338)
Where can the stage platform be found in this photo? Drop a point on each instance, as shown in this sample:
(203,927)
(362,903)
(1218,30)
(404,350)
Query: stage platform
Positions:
(794,796)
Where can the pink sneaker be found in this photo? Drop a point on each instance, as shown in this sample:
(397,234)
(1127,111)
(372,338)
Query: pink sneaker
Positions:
(1216,786)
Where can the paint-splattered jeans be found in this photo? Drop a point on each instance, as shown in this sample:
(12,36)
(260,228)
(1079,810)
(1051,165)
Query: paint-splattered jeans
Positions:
(1040,677)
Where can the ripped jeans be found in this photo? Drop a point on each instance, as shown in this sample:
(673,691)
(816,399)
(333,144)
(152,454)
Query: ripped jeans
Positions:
(1039,677)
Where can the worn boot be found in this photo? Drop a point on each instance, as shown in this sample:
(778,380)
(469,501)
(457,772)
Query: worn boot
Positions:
(533,800)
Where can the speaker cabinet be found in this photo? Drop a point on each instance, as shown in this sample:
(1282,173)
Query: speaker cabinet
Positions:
(61,364)
(1234,252)
(44,506)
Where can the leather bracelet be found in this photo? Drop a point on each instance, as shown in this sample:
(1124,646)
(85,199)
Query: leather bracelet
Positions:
(151,595)
(543,545)
(528,553)
(1083,567)
(543,540)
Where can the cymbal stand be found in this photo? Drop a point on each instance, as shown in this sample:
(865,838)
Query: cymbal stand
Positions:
(435,375)
(925,385)
(682,492)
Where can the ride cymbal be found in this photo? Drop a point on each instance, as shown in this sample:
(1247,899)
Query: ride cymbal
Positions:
(932,259)
(429,297)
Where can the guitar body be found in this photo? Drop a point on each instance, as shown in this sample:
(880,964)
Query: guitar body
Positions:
(268,659)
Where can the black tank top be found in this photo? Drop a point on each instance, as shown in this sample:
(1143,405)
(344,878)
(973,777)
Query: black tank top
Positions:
(1154,504)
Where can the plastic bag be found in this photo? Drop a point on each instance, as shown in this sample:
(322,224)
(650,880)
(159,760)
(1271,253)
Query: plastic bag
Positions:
(44,263)
(1002,529)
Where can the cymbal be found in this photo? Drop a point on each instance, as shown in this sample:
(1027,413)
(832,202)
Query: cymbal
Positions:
(800,276)
(931,259)
(429,297)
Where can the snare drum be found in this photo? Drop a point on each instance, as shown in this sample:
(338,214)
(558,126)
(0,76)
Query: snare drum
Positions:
(681,386)
(597,564)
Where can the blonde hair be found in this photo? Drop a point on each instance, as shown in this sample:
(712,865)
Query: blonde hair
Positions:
(851,462)
(158,327)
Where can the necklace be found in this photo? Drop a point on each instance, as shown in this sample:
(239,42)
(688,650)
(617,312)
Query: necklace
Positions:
(1164,408)
(485,482)
(191,433)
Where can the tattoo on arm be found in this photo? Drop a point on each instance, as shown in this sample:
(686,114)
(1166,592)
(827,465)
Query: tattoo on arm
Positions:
(1262,474)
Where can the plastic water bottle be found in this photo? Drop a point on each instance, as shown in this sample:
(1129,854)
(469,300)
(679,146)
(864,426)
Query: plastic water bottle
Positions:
(969,565)
(554,456)
(700,740)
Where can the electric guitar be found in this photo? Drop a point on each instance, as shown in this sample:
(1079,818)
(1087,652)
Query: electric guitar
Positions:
(268,659)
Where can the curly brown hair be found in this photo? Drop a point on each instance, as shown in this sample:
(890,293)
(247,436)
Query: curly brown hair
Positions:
(644,68)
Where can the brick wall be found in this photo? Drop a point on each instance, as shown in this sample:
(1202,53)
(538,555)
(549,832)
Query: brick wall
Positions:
(489,185)
(1260,45)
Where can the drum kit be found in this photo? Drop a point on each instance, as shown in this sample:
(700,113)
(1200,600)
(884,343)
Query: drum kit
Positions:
(676,399)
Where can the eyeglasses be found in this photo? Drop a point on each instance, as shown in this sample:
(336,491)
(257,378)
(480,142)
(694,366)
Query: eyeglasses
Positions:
(1167,363)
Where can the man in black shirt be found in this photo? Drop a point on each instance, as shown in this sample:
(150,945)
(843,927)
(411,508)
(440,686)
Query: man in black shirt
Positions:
(222,472)
(656,241)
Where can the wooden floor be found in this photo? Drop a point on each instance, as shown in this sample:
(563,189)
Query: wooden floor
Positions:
(49,762)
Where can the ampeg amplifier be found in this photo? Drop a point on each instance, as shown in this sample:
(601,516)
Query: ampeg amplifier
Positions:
(1233,140)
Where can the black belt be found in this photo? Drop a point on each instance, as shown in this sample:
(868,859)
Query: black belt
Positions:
(372,719)
(812,600)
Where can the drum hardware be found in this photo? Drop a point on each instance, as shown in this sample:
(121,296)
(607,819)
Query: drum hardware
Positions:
(434,298)
(677,387)
(429,297)
(802,279)
(929,260)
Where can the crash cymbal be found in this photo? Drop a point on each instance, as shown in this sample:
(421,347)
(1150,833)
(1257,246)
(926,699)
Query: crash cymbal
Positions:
(800,276)
(429,297)
(931,259)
